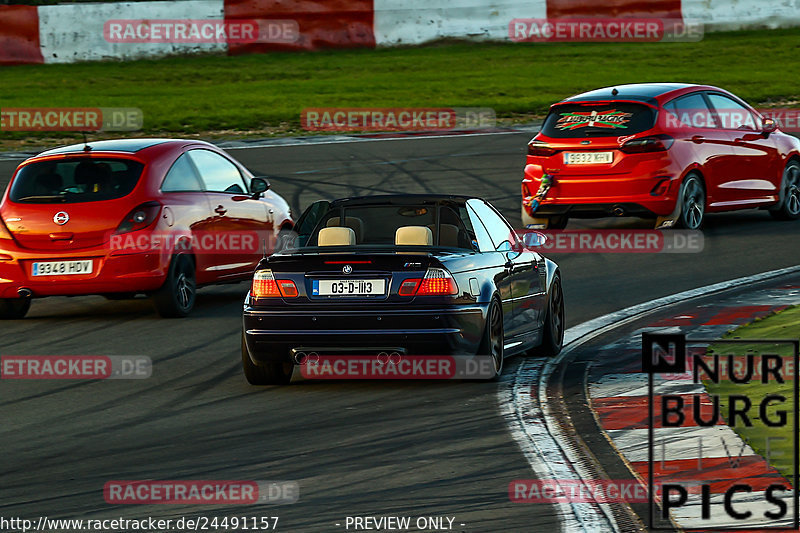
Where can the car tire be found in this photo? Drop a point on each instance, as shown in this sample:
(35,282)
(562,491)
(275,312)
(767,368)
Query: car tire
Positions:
(492,343)
(789,204)
(553,326)
(14,308)
(268,374)
(692,198)
(176,297)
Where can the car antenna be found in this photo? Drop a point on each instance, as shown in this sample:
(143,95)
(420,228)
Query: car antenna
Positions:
(615,92)
(86,147)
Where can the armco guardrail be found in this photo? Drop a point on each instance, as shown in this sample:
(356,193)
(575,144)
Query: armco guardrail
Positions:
(67,33)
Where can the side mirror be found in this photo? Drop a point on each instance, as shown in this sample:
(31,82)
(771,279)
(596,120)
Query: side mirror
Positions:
(534,239)
(259,186)
(769,126)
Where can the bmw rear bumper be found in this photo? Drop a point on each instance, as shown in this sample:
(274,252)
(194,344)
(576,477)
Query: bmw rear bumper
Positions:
(277,335)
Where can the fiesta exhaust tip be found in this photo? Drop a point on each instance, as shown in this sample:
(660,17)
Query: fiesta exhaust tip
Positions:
(618,211)
(25,292)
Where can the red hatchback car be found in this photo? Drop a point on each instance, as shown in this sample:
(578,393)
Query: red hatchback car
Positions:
(127,217)
(665,151)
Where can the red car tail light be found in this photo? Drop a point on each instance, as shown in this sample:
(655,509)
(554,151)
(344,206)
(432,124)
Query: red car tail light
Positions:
(139,218)
(266,286)
(437,282)
(654,143)
(541,149)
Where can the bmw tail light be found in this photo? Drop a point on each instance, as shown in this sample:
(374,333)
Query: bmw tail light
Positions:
(540,149)
(266,286)
(437,282)
(141,217)
(654,143)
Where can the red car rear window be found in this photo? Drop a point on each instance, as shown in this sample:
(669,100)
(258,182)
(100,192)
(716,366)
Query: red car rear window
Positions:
(569,121)
(75,180)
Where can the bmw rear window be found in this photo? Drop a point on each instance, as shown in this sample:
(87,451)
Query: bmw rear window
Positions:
(75,180)
(569,121)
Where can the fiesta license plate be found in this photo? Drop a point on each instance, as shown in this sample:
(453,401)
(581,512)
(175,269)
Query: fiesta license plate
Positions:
(62,268)
(588,158)
(348,287)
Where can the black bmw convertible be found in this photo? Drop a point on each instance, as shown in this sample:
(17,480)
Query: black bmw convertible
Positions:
(408,275)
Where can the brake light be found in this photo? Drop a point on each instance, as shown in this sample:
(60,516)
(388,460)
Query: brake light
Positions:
(654,143)
(540,149)
(266,286)
(437,282)
(141,217)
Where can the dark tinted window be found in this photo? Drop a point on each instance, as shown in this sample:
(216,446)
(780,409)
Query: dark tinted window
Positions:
(75,180)
(732,115)
(218,174)
(598,120)
(690,111)
(182,177)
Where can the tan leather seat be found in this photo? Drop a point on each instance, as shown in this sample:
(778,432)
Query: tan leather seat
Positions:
(413,236)
(354,223)
(336,237)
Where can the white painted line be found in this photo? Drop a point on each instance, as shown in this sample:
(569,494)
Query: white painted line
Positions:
(533,426)
(618,385)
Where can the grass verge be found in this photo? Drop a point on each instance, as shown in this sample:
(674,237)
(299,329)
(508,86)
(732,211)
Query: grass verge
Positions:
(773,443)
(264,94)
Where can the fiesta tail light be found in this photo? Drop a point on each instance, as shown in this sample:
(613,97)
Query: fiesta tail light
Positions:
(139,218)
(437,282)
(654,143)
(266,286)
(540,149)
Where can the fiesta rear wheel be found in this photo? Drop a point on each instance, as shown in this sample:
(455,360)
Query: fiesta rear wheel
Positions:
(14,308)
(789,205)
(268,374)
(692,198)
(493,340)
(176,298)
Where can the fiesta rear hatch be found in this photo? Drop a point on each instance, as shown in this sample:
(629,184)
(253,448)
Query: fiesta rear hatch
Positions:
(70,203)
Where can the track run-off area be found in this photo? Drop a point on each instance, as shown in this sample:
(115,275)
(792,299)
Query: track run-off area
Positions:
(355,448)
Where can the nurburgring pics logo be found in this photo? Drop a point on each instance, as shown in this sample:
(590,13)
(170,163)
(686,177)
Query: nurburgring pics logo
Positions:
(397,119)
(716,490)
(204,31)
(71,119)
(597,29)
(75,367)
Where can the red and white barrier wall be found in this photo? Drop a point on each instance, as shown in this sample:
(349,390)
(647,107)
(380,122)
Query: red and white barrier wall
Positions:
(74,32)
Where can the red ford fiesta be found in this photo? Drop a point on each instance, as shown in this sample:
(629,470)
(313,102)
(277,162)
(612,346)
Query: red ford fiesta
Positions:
(664,151)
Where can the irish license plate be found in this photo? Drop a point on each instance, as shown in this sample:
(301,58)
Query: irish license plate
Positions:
(588,158)
(62,268)
(348,287)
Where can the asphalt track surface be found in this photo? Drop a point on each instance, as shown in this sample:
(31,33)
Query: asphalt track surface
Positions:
(356,448)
